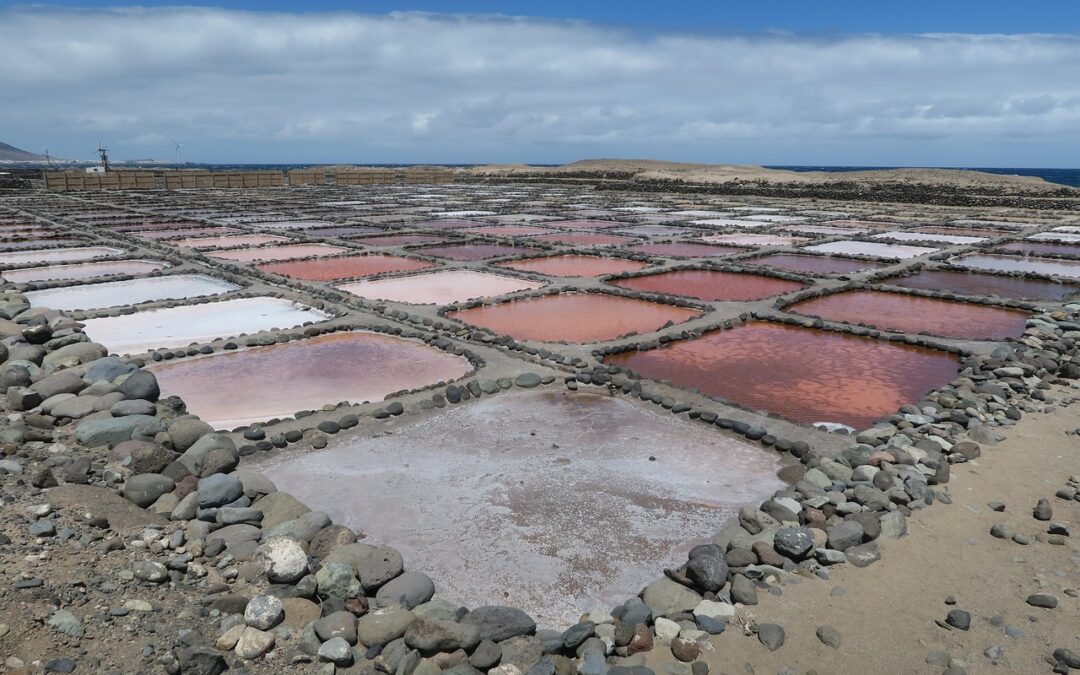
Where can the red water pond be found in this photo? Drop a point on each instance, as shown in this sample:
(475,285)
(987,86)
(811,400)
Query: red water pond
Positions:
(276,381)
(916,314)
(812,264)
(399,240)
(286,252)
(1034,247)
(972,283)
(574,317)
(328,269)
(471,252)
(803,374)
(711,285)
(684,250)
(574,265)
(584,239)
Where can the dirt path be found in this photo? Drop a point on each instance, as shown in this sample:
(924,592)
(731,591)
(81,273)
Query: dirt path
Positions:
(886,614)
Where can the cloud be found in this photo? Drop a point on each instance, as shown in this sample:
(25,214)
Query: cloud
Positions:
(425,87)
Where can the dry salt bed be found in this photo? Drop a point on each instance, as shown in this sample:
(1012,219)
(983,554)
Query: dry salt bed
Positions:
(58,255)
(726,222)
(701,213)
(344,267)
(356,366)
(286,252)
(462,214)
(1006,263)
(916,314)
(837,378)
(543,501)
(180,326)
(823,229)
(1067,237)
(129,292)
(776,218)
(973,283)
(928,236)
(439,288)
(751,239)
(573,317)
(474,252)
(210,243)
(755,209)
(812,264)
(710,285)
(874,250)
(82,270)
(571,265)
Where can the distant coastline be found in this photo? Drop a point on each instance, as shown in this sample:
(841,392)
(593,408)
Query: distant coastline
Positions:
(1069,177)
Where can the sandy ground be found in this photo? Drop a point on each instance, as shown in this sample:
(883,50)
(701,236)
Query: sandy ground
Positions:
(722,173)
(886,614)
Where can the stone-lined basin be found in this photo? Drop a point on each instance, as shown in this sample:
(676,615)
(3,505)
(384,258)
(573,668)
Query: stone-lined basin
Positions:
(684,249)
(345,267)
(872,249)
(261,383)
(753,239)
(973,283)
(58,255)
(474,252)
(710,285)
(803,374)
(902,235)
(540,500)
(83,270)
(574,265)
(399,240)
(209,243)
(286,252)
(584,239)
(129,292)
(573,317)
(183,325)
(812,264)
(439,288)
(1039,247)
(916,314)
(1008,263)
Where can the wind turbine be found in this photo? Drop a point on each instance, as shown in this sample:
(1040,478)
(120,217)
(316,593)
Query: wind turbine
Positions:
(48,159)
(178,146)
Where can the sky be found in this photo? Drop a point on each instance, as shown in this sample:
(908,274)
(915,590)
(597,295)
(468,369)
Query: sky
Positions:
(771,82)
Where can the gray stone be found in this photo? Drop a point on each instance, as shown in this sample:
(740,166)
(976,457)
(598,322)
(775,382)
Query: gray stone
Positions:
(336,651)
(666,597)
(133,407)
(264,612)
(141,385)
(743,590)
(339,624)
(145,488)
(771,635)
(254,643)
(185,431)
(380,566)
(410,589)
(110,431)
(845,535)
(278,508)
(63,382)
(521,651)
(498,623)
(194,458)
(486,655)
(796,543)
(431,636)
(829,636)
(893,525)
(66,622)
(337,580)
(1043,510)
(219,489)
(78,353)
(383,625)
(864,554)
(708,571)
(76,408)
(148,570)
(107,370)
(284,560)
(1044,600)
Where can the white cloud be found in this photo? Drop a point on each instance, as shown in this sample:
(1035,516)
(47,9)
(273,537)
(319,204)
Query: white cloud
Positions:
(422,87)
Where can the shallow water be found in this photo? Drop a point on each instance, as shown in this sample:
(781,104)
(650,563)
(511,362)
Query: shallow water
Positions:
(83,270)
(345,267)
(208,243)
(1008,263)
(929,236)
(258,384)
(710,285)
(872,249)
(656,231)
(973,283)
(180,326)
(574,265)
(286,252)
(1066,237)
(58,255)
(751,239)
(473,252)
(812,264)
(439,288)
(916,314)
(584,224)
(584,239)
(573,317)
(129,292)
(1036,247)
(399,240)
(836,377)
(507,230)
(684,249)
(540,500)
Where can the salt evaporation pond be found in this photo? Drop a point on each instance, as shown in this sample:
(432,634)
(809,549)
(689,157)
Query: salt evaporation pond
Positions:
(286,252)
(506,230)
(916,314)
(1007,263)
(181,326)
(584,239)
(439,288)
(929,236)
(684,249)
(473,252)
(208,243)
(573,317)
(20,245)
(710,285)
(837,377)
(574,265)
(399,240)
(129,292)
(656,231)
(58,255)
(872,249)
(261,383)
(83,270)
(812,264)
(155,235)
(343,231)
(1036,247)
(584,224)
(346,267)
(1068,237)
(540,500)
(751,239)
(973,283)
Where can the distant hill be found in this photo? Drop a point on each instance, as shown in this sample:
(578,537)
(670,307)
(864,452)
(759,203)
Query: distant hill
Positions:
(9,153)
